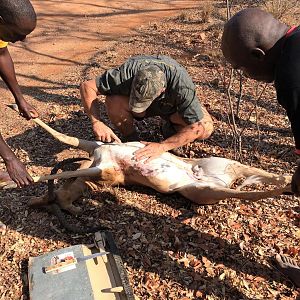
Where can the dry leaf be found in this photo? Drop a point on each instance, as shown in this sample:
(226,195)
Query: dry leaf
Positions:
(136,236)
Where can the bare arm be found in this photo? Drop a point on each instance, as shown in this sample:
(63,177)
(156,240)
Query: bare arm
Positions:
(15,168)
(189,133)
(89,93)
(7,73)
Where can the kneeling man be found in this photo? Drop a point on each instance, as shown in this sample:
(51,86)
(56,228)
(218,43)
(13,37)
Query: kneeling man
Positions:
(146,86)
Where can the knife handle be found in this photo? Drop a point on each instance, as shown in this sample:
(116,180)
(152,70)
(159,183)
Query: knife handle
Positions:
(67,262)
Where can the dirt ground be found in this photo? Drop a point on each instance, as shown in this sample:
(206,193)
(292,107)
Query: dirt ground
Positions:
(172,249)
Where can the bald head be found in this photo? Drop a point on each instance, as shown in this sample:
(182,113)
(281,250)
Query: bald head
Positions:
(17,19)
(248,40)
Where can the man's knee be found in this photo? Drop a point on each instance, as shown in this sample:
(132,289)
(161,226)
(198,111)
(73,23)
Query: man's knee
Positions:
(116,104)
(168,129)
(208,128)
(176,124)
(207,124)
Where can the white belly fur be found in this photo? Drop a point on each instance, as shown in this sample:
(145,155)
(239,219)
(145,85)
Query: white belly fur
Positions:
(166,169)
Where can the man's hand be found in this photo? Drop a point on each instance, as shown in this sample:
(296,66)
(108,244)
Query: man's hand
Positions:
(296,181)
(26,110)
(103,133)
(150,151)
(18,173)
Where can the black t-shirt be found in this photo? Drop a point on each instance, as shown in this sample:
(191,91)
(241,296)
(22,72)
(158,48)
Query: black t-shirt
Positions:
(287,81)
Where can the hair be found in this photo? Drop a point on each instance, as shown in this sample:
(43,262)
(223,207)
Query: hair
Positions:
(14,12)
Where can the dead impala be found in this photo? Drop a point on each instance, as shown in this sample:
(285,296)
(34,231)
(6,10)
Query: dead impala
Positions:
(203,180)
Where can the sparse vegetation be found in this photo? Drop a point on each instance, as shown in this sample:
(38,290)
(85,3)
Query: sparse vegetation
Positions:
(207,8)
(282,9)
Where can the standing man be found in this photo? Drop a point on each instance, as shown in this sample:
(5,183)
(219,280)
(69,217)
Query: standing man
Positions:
(17,19)
(146,86)
(267,50)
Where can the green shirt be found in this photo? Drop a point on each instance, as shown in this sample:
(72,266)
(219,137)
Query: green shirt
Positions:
(179,96)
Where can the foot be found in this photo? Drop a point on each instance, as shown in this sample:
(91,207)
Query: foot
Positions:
(289,268)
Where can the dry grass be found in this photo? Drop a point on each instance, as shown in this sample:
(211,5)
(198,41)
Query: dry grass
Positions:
(204,14)
(206,11)
(284,10)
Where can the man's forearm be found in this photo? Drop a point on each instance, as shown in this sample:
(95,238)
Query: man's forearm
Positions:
(5,152)
(185,136)
(14,166)
(88,92)
(7,73)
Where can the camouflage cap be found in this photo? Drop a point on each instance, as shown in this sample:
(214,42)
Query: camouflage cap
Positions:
(148,84)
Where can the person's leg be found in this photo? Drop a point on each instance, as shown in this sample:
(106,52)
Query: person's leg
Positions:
(167,129)
(289,268)
(117,107)
(176,123)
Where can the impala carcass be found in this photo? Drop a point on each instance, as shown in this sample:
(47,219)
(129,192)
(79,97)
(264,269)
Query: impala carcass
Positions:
(203,180)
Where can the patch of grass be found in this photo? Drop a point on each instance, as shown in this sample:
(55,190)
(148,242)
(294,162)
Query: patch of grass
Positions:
(207,10)
(183,17)
(281,9)
(203,15)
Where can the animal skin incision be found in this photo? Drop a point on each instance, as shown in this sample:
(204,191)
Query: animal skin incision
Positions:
(152,170)
(166,169)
